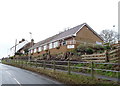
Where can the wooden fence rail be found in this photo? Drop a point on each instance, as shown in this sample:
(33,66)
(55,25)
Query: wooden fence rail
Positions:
(65,65)
(112,56)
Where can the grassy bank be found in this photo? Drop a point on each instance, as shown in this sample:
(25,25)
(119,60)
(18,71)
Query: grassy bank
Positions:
(99,72)
(67,78)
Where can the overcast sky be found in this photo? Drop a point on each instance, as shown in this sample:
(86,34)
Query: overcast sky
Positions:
(45,18)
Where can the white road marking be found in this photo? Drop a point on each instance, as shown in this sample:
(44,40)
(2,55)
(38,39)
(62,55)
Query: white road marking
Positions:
(34,74)
(9,73)
(14,78)
(17,81)
(31,73)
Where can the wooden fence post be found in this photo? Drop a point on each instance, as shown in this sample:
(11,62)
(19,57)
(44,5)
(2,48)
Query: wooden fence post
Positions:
(53,65)
(69,72)
(92,70)
(30,64)
(10,61)
(21,63)
(26,63)
(118,77)
(16,62)
(44,64)
(13,62)
(106,56)
(36,64)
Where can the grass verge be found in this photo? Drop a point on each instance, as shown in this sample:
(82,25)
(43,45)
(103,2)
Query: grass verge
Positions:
(71,79)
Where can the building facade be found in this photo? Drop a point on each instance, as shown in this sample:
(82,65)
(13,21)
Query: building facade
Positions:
(67,40)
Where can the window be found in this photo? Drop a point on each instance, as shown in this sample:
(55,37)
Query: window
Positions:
(35,50)
(70,42)
(45,47)
(39,49)
(50,46)
(64,42)
(23,52)
(55,44)
(32,50)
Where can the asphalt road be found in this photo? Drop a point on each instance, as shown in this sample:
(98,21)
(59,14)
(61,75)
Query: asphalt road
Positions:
(14,75)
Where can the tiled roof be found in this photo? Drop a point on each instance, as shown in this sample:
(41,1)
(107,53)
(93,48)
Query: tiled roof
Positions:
(43,41)
(62,35)
(66,33)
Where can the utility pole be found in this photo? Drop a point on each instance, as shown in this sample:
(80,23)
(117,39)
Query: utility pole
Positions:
(30,35)
(15,46)
(30,45)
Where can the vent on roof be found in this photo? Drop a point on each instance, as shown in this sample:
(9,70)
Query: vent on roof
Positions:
(66,28)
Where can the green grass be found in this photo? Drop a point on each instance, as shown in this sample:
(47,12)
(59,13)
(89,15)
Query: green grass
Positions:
(98,72)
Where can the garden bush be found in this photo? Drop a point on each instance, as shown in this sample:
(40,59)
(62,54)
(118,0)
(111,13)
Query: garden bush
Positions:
(89,51)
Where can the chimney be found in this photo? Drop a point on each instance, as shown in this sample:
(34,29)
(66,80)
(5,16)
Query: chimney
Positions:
(32,42)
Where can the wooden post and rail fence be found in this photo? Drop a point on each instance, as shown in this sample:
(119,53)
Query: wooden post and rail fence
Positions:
(68,66)
(107,56)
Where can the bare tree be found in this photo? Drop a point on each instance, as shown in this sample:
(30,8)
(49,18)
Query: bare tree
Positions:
(119,37)
(109,36)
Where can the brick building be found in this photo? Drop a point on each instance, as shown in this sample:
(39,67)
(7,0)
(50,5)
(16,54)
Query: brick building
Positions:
(67,40)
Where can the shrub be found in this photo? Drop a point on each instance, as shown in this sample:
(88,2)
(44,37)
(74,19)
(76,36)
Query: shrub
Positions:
(73,52)
(98,47)
(26,51)
(46,50)
(89,51)
(79,54)
(38,52)
(100,51)
(107,47)
(58,47)
(18,53)
(81,48)
(11,57)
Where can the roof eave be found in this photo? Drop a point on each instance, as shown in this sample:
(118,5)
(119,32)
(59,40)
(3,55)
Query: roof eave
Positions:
(95,32)
(79,29)
(52,41)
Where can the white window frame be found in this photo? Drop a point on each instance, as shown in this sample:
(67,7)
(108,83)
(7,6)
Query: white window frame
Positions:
(45,47)
(31,51)
(55,44)
(23,52)
(70,42)
(35,50)
(70,46)
(39,49)
(50,45)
